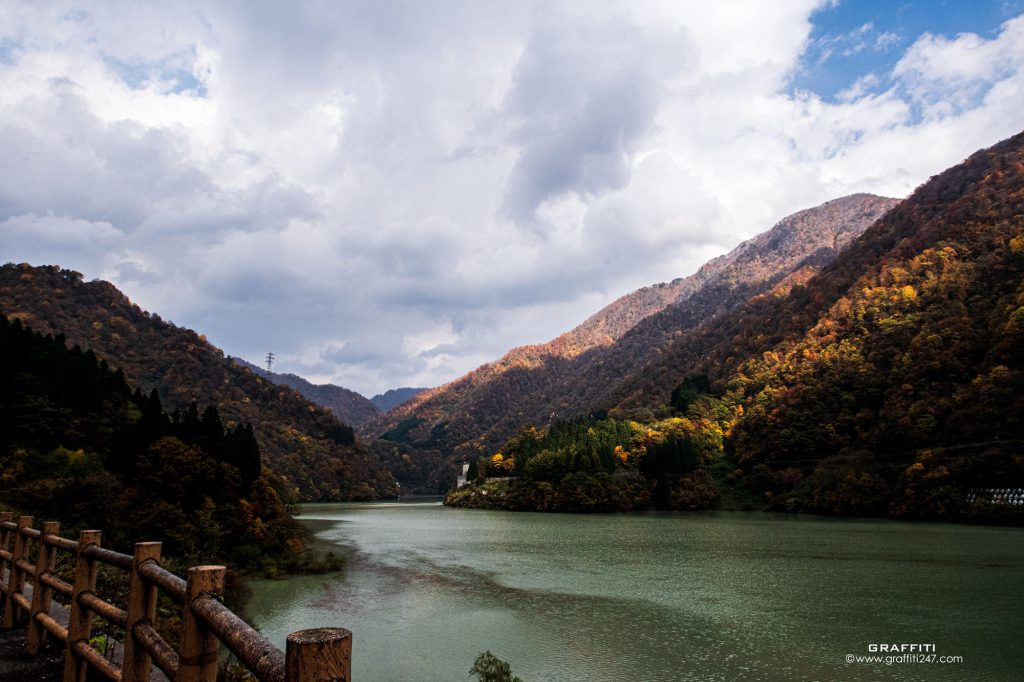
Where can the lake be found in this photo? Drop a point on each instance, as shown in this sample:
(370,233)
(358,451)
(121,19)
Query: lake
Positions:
(660,596)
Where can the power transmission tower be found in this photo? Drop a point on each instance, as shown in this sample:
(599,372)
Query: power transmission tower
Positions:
(270,361)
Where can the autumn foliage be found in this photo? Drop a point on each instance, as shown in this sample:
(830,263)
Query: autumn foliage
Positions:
(79,445)
(890,383)
(315,454)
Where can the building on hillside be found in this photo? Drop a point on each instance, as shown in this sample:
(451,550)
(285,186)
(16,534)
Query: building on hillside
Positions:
(461,480)
(1010,496)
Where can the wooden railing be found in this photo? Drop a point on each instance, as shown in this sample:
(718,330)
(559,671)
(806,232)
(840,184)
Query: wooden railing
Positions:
(28,589)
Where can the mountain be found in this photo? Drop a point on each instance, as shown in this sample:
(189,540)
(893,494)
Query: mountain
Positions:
(567,376)
(394,397)
(804,239)
(889,383)
(967,218)
(894,380)
(348,406)
(78,444)
(304,443)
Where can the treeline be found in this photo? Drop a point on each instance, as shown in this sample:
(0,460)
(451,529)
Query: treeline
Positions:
(598,463)
(77,444)
(701,457)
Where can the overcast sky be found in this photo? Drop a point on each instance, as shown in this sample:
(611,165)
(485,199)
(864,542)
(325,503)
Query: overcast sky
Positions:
(391,193)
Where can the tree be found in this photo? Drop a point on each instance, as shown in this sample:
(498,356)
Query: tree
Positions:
(692,387)
(243,452)
(489,668)
(665,462)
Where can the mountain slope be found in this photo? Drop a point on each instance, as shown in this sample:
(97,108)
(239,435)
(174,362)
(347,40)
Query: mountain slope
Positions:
(347,406)
(304,443)
(910,347)
(567,375)
(890,383)
(795,239)
(973,209)
(76,443)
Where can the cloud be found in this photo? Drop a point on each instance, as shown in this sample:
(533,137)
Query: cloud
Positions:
(945,76)
(582,96)
(390,194)
(56,239)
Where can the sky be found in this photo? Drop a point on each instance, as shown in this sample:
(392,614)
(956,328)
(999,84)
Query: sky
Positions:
(390,194)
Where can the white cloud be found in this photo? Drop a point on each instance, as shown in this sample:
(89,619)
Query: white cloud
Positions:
(55,238)
(389,194)
(428,341)
(946,76)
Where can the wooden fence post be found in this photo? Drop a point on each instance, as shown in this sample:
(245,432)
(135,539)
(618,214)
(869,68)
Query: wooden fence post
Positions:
(319,655)
(80,618)
(141,609)
(5,540)
(46,559)
(16,583)
(200,648)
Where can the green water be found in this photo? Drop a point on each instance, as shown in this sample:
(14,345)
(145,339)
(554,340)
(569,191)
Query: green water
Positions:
(716,596)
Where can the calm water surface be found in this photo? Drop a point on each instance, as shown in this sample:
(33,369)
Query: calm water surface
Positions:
(717,596)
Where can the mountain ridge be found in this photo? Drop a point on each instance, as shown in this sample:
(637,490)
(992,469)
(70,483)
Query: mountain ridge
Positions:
(299,440)
(889,238)
(889,383)
(392,398)
(348,406)
(533,384)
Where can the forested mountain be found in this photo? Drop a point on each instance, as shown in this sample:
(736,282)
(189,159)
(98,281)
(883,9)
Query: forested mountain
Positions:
(394,397)
(890,383)
(304,443)
(569,375)
(804,239)
(347,406)
(76,443)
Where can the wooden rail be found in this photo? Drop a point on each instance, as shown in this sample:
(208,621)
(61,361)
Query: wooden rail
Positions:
(28,590)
